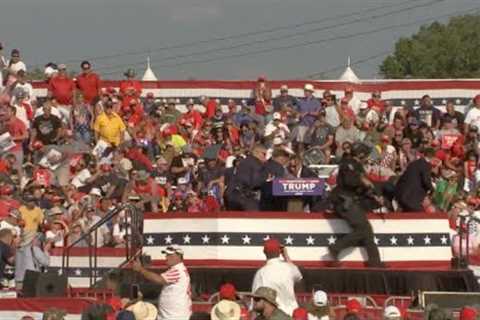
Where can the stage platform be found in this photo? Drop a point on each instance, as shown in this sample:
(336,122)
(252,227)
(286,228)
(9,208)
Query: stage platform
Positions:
(359,281)
(228,246)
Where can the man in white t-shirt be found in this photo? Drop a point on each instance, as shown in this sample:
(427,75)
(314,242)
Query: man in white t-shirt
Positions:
(23,85)
(277,128)
(175,301)
(278,274)
(12,222)
(353,101)
(15,64)
(473,118)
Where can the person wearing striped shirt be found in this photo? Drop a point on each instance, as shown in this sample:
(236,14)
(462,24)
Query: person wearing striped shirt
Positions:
(175,302)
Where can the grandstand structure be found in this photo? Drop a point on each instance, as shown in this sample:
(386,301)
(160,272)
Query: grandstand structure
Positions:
(427,265)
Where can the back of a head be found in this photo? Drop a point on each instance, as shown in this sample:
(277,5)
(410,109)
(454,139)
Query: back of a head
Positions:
(429,153)
(96,312)
(436,313)
(258,148)
(54,314)
(351,316)
(361,150)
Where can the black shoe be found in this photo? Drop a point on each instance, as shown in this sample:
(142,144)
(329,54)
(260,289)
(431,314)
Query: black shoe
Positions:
(334,254)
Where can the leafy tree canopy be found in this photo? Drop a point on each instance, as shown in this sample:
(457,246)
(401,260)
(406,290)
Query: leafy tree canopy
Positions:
(438,50)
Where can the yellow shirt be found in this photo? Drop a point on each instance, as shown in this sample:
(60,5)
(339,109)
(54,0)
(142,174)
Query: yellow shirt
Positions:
(33,218)
(109,128)
(178,141)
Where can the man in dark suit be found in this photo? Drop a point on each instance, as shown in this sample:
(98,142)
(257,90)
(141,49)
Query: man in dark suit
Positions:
(243,189)
(275,168)
(415,183)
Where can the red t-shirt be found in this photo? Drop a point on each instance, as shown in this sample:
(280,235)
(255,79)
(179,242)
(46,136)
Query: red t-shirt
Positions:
(16,128)
(136,155)
(127,85)
(194,117)
(6,205)
(210,108)
(89,84)
(42,177)
(3,166)
(151,188)
(442,155)
(62,89)
(378,105)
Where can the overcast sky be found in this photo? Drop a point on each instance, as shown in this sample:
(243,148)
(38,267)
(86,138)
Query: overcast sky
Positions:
(69,30)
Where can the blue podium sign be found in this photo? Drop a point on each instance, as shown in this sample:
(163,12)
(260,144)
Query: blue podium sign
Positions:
(297,187)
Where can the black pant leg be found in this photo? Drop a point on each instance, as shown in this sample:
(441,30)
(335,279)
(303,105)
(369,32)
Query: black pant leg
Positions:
(361,235)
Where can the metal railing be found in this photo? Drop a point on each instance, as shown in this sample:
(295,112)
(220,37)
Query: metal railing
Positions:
(133,222)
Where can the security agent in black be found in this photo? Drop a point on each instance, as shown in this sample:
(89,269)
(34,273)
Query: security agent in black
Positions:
(242,192)
(352,199)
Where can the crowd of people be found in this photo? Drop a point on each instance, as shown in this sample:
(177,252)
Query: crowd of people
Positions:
(70,157)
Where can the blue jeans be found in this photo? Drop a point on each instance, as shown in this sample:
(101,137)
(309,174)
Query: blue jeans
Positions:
(83,135)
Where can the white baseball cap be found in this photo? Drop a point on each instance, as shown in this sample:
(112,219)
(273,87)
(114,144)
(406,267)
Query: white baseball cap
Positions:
(277,116)
(309,87)
(173,249)
(320,298)
(391,312)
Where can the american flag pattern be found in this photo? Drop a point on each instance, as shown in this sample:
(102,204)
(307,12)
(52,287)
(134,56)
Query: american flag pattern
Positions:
(171,276)
(236,239)
(399,92)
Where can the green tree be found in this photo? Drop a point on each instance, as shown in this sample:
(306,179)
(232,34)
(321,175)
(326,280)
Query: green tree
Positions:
(438,50)
(35,74)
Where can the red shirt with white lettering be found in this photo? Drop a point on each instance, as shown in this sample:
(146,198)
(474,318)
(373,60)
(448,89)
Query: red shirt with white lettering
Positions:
(62,89)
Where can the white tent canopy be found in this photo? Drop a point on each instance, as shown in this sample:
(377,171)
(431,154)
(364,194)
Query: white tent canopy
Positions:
(149,75)
(349,75)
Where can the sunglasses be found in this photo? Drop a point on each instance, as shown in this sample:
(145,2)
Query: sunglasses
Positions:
(256,299)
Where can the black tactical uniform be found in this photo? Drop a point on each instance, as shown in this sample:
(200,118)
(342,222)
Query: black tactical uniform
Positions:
(242,193)
(350,201)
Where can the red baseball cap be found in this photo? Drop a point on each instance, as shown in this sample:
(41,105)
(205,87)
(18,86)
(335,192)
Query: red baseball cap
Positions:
(228,291)
(468,313)
(37,145)
(353,306)
(150,95)
(106,167)
(272,246)
(300,314)
(476,98)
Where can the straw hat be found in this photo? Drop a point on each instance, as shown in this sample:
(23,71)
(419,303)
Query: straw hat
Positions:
(226,310)
(144,310)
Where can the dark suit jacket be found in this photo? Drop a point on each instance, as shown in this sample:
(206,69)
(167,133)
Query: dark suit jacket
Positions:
(413,185)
